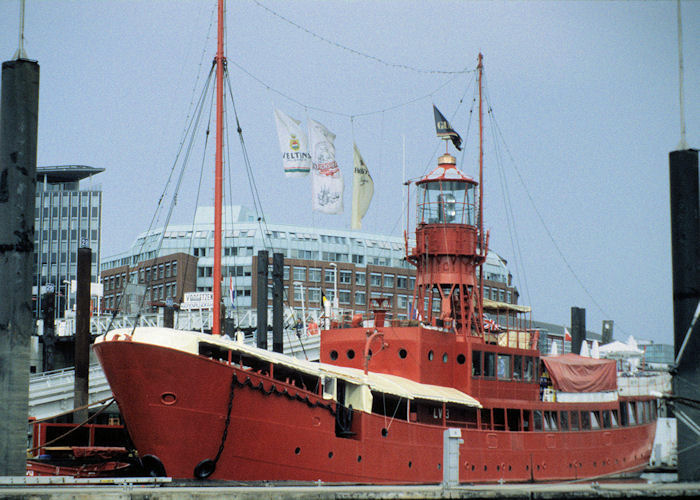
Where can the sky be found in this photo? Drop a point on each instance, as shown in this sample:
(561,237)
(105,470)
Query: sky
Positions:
(582,108)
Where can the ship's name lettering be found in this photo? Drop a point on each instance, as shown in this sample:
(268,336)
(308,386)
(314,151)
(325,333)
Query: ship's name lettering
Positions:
(437,413)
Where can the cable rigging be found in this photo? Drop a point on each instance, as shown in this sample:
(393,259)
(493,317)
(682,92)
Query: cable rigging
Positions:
(357,52)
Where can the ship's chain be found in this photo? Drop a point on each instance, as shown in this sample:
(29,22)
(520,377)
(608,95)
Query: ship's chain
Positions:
(206,467)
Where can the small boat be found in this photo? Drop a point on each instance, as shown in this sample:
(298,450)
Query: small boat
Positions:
(449,394)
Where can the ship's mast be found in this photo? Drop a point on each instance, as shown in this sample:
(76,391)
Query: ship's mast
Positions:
(220,60)
(480,70)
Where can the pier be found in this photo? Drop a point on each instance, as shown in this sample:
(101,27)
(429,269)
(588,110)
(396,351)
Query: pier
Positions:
(142,489)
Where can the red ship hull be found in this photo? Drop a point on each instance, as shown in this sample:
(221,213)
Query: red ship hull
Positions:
(175,406)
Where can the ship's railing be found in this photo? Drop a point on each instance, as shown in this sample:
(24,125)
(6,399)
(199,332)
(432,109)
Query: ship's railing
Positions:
(515,338)
(642,384)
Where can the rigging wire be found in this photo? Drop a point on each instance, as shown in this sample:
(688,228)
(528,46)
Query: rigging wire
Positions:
(544,225)
(357,52)
(338,113)
(189,129)
(262,222)
(520,268)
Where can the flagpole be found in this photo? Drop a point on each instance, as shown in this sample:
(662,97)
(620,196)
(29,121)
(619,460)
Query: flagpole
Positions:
(403,182)
(216,285)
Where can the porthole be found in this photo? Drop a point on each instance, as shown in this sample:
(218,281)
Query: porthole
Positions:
(168,398)
(486,468)
(359,458)
(439,466)
(498,467)
(430,355)
(444,357)
(410,464)
(334,355)
(385,432)
(461,359)
(297,450)
(330,454)
(403,353)
(350,354)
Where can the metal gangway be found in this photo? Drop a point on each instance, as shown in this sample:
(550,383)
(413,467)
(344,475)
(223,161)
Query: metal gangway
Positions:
(183,320)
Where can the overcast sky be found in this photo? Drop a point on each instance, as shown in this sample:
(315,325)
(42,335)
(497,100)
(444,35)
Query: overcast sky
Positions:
(584,95)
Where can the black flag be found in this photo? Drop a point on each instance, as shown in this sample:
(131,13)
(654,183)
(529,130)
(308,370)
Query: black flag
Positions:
(443,129)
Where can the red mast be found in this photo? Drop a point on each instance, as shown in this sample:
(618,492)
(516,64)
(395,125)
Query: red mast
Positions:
(480,70)
(220,61)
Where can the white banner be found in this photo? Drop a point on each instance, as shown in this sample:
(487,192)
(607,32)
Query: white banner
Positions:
(327,180)
(295,149)
(362,189)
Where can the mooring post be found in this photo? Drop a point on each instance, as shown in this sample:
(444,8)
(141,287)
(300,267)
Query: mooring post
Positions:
(82,335)
(19,108)
(261,296)
(277,299)
(685,255)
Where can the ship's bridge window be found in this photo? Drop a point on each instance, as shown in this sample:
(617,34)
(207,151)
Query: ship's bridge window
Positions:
(504,366)
(447,202)
(527,374)
(489,364)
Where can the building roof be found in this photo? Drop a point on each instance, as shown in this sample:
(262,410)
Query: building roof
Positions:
(66,173)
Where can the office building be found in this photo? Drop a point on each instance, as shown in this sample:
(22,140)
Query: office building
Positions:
(318,262)
(68,215)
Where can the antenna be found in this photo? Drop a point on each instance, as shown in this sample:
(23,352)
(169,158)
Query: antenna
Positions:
(683,144)
(21,54)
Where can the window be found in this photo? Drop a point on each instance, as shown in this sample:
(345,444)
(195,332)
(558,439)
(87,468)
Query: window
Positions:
(517,367)
(314,295)
(550,421)
(476,364)
(375,279)
(315,275)
(489,364)
(329,276)
(299,274)
(527,374)
(411,282)
(360,298)
(344,296)
(401,282)
(174,268)
(537,417)
(388,281)
(402,302)
(167,269)
(297,294)
(346,277)
(360,279)
(504,366)
(574,421)
(564,416)
(160,271)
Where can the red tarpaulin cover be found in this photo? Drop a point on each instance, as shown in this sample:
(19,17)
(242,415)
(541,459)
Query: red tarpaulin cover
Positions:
(574,373)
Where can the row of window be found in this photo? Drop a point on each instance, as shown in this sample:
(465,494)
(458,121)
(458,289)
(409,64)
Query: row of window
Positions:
(517,420)
(503,366)
(163,270)
(156,292)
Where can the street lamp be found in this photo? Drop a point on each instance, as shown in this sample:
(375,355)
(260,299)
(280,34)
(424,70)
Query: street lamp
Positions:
(335,287)
(68,308)
(303,308)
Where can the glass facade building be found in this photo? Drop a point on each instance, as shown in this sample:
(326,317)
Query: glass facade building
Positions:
(67,216)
